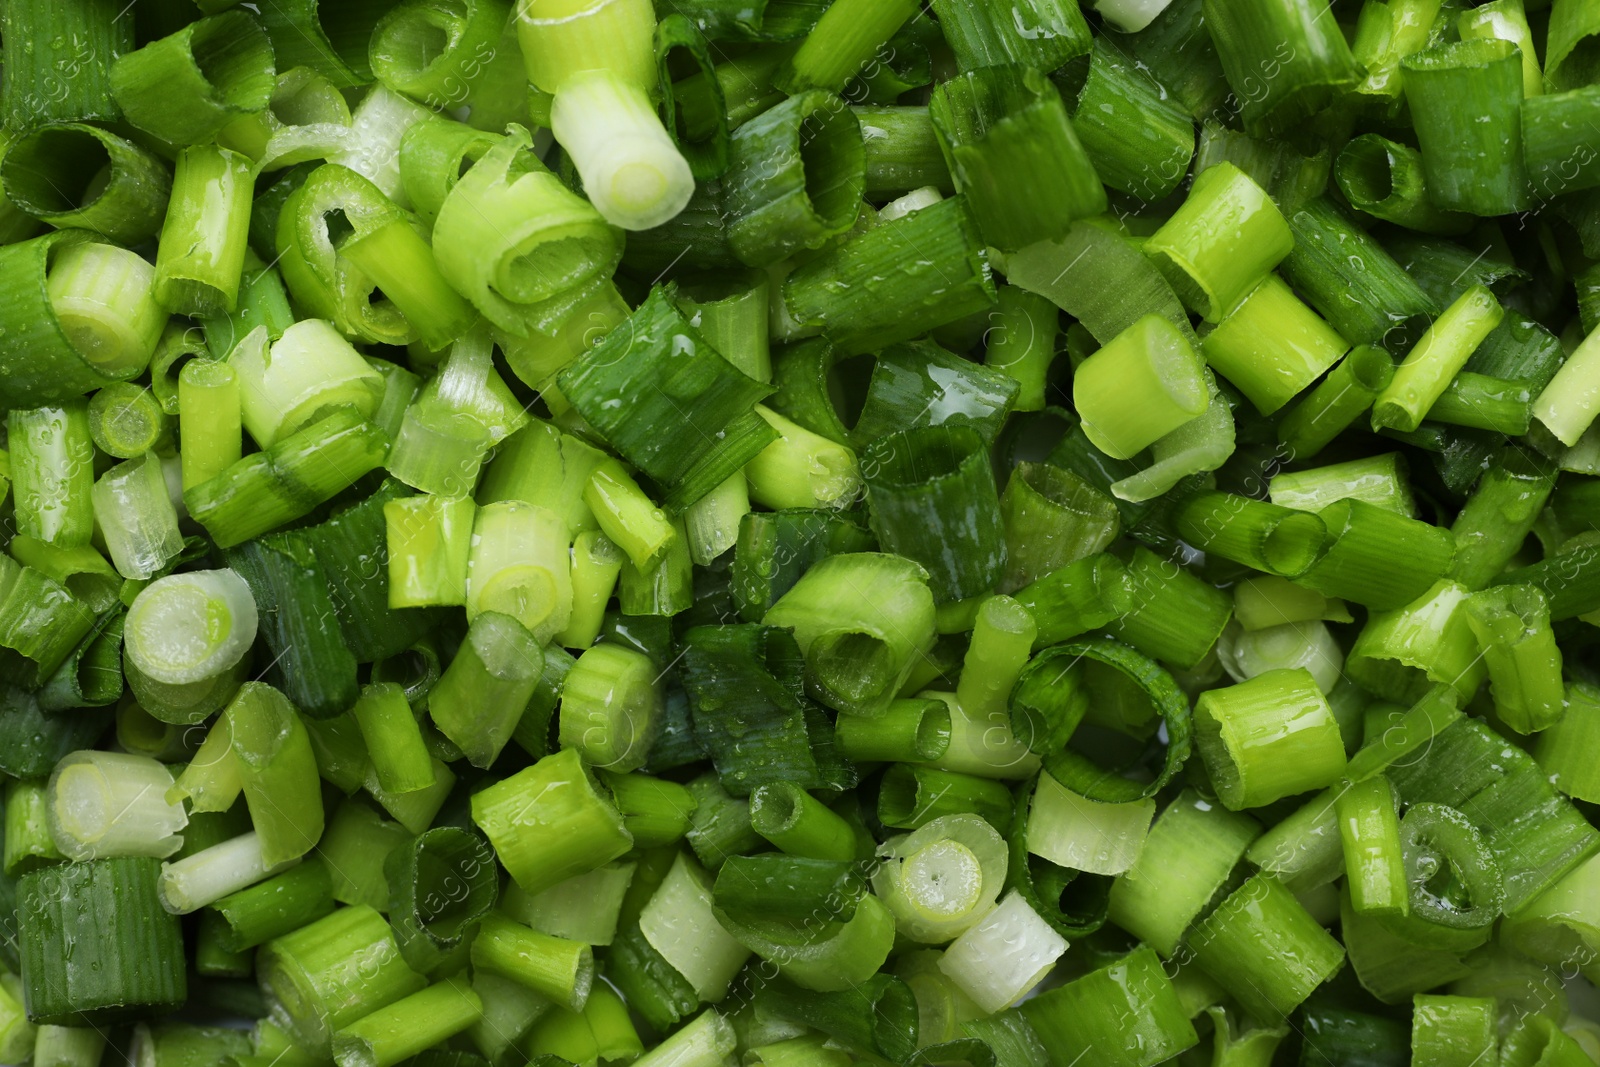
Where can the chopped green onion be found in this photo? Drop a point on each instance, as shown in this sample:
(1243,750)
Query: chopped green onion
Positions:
(1005,955)
(137,518)
(1265,949)
(400,1030)
(1268,738)
(1285,60)
(1466,106)
(1386,180)
(109,804)
(1268,537)
(1142,385)
(77,176)
(1272,346)
(1369,830)
(1081,834)
(1126,1013)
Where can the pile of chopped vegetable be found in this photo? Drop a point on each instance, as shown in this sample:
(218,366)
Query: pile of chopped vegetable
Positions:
(800,533)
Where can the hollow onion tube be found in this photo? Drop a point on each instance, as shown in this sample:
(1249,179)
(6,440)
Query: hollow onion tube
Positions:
(1385,35)
(200,258)
(942,878)
(1081,834)
(827,957)
(861,645)
(551,967)
(126,421)
(464,410)
(794,178)
(52,473)
(1187,856)
(113,804)
(1213,264)
(1142,385)
(284,388)
(1052,518)
(550,822)
(1139,142)
(1272,346)
(1387,180)
(1563,749)
(189,627)
(1263,946)
(136,517)
(429,540)
(1129,1004)
(932,486)
(104,302)
(519,565)
(1466,105)
(1448,1031)
(1568,405)
(194,881)
(1003,956)
(1337,401)
(186,87)
(631,170)
(277,770)
(1400,652)
(679,923)
(1265,536)
(397,1032)
(1268,738)
(1378,480)
(1364,542)
(1285,59)
(51,173)
(481,695)
(1374,864)
(1014,156)
(1512,625)
(209,409)
(611,707)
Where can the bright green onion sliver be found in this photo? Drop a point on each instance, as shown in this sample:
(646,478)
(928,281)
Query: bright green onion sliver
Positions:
(127,420)
(1563,747)
(1272,346)
(1364,542)
(1268,537)
(1386,180)
(1466,105)
(201,255)
(401,1030)
(1139,141)
(1145,383)
(103,298)
(1222,242)
(429,540)
(1400,652)
(1568,405)
(1452,1031)
(51,173)
(1512,625)
(52,473)
(136,517)
(1369,830)
(401,263)
(1441,352)
(278,772)
(1264,947)
(1126,1013)
(560,38)
(1285,59)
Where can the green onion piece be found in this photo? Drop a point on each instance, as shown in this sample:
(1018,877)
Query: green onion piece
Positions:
(1272,346)
(552,967)
(1364,542)
(434,151)
(104,804)
(357,843)
(1454,881)
(1384,36)
(203,240)
(103,299)
(1498,516)
(596,565)
(1369,830)
(428,539)
(1434,361)
(743,684)
(794,178)
(440,55)
(635,175)
(1512,625)
(1401,651)
(1568,405)
(860,647)
(399,756)
(924,482)
(1466,104)
(627,516)
(1386,180)
(84,572)
(1042,34)
(1187,857)
(481,695)
(799,824)
(277,906)
(1341,398)
(96,946)
(41,623)
(902,151)
(997,123)
(775,548)
(440,885)
(719,826)
(705,149)
(64,77)
(894,281)
(136,517)
(68,1046)
(1080,834)
(519,565)
(1350,279)
(1268,738)
(54,173)
(1289,176)
(1166,612)
(1263,946)
(415,810)
(1558,148)
(329,973)
(29,840)
(1389,966)
(1307,645)
(1563,747)
(400,1030)
(611,707)
(550,822)
(463,411)
(829,957)
(1126,1012)
(678,921)
(666,587)
(193,881)
(1569,62)
(126,421)
(211,781)
(1140,142)
(400,262)
(284,389)
(314,666)
(52,473)
(1004,955)
(560,38)
(541,465)
(1150,361)
(277,770)
(1211,266)
(1381,481)
(1052,518)
(843,41)
(914,385)
(690,442)
(911,797)
(1481,402)
(774,886)
(1179,53)
(583,908)
(1268,537)
(1558,927)
(1022,343)
(1284,59)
